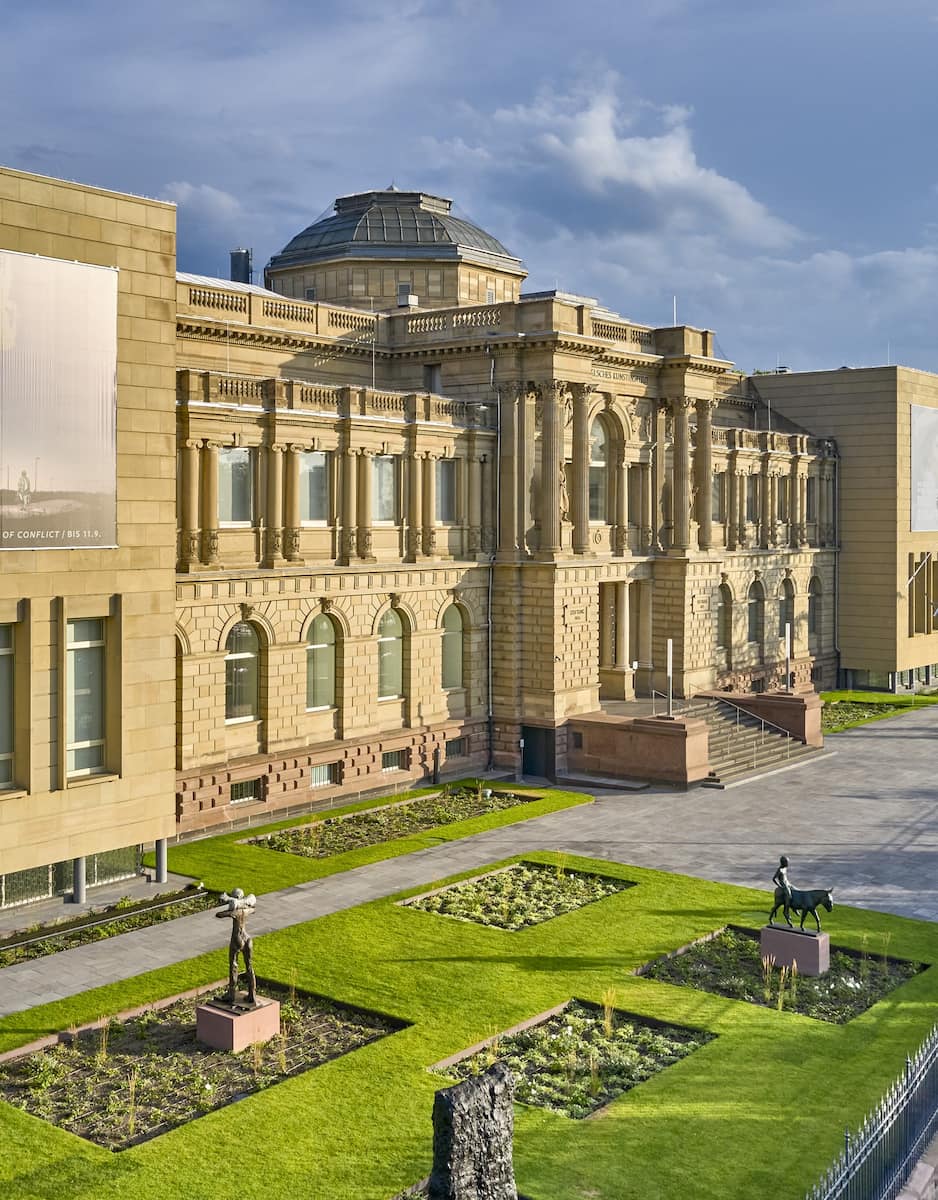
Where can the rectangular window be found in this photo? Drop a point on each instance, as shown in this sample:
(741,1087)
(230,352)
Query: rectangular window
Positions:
(811,499)
(394,760)
(235,486)
(310,294)
(6,706)
(433,378)
(384,496)
(314,487)
(456,748)
(716,497)
(635,494)
(247,790)
(85,697)
(446,491)
(323,774)
(783,486)
(752,498)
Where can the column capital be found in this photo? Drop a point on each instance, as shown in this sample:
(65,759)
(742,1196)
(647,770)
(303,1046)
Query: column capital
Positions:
(582,391)
(276,447)
(681,404)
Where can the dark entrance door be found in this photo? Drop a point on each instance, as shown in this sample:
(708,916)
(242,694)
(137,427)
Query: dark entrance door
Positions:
(537,757)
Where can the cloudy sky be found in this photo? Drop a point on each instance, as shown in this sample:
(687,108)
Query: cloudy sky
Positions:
(771,165)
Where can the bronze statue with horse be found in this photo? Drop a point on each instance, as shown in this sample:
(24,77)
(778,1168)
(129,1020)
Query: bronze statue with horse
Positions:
(803,902)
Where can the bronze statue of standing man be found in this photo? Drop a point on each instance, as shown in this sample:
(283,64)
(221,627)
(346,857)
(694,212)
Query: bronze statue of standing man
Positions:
(237,908)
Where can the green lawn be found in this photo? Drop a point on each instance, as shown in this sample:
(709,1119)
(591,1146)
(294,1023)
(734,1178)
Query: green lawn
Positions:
(225,861)
(757,1112)
(845,710)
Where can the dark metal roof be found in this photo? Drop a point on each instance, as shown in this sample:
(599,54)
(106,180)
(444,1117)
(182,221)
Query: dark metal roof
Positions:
(393,224)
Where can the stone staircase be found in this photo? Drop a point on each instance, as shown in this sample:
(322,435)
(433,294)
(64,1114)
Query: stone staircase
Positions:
(741,744)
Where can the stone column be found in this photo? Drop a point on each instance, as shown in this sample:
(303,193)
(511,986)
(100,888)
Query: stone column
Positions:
(680,475)
(579,484)
(607,647)
(488,503)
(703,473)
(414,504)
(646,667)
(622,626)
(743,535)
(291,506)
(429,505)
(766,535)
(552,397)
(349,506)
(732,503)
(648,508)
(621,544)
(79,880)
(475,504)
(659,472)
(210,503)
(365,485)
(803,508)
(190,527)
(773,506)
(273,555)
(159,846)
(508,487)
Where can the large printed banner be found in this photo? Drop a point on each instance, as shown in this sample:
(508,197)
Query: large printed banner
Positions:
(924,468)
(58,403)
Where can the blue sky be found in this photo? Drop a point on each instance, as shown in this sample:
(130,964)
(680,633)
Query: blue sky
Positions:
(772,165)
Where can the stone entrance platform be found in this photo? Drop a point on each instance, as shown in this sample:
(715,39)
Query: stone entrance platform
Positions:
(234,1027)
(810,952)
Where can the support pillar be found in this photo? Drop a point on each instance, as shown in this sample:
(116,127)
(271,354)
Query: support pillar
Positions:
(349,506)
(365,484)
(414,505)
(79,880)
(743,532)
(765,538)
(189,551)
(508,509)
(579,485)
(429,505)
(475,503)
(551,446)
(162,874)
(703,474)
(680,475)
(210,504)
(802,509)
(621,543)
(732,503)
(622,627)
(291,506)
(659,469)
(273,556)
(645,675)
(648,508)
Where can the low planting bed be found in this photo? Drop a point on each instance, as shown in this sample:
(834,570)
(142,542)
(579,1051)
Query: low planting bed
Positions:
(730,964)
(39,940)
(579,1059)
(519,896)
(126,1081)
(336,835)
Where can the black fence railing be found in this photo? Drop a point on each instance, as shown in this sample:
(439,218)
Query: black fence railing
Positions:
(879,1158)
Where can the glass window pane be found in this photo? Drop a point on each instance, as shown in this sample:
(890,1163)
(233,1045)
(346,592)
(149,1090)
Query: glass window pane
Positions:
(314,486)
(6,637)
(597,484)
(384,490)
(84,759)
(243,639)
(390,625)
(85,631)
(6,706)
(86,710)
(452,660)
(320,664)
(235,485)
(390,672)
(446,490)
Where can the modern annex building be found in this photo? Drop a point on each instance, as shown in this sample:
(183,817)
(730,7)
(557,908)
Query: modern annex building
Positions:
(389,516)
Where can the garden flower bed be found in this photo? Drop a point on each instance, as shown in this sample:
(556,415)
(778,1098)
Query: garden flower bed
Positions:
(336,835)
(578,1059)
(518,896)
(130,1080)
(39,940)
(729,964)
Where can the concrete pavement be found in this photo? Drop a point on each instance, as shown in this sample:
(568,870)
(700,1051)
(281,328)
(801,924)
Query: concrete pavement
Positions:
(863,820)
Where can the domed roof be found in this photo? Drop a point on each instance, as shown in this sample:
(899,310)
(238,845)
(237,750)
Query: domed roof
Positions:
(394,224)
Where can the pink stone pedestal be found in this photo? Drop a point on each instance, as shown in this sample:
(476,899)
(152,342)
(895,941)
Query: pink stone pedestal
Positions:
(226,1027)
(810,951)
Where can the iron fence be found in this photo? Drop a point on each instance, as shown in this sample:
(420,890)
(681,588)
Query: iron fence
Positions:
(877,1161)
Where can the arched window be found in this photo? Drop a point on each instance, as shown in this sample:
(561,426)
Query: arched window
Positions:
(452,647)
(756,613)
(390,655)
(320,663)
(814,608)
(725,617)
(786,608)
(598,480)
(242,651)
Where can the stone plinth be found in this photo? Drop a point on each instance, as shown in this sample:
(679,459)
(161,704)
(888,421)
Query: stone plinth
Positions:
(810,951)
(234,1027)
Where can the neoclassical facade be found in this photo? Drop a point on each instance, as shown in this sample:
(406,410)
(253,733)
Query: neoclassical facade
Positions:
(396,519)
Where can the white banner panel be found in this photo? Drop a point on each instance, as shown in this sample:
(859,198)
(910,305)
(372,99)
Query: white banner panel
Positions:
(58,403)
(924,468)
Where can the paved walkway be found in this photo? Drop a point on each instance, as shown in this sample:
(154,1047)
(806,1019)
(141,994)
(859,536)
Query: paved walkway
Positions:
(863,820)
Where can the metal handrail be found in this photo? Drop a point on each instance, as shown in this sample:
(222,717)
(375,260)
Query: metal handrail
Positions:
(762,724)
(739,708)
(664,696)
